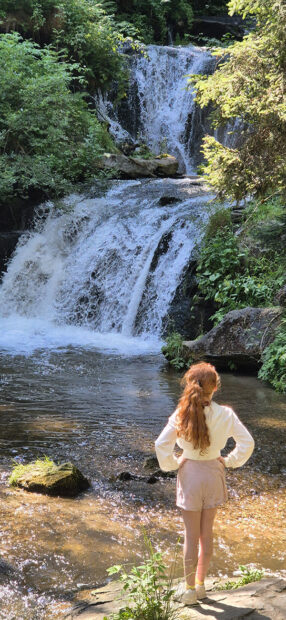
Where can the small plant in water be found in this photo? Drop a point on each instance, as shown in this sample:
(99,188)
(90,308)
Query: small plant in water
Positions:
(147,588)
(247,576)
(174,351)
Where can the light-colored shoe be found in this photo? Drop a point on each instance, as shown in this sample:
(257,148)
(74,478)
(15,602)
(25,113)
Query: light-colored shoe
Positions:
(201,591)
(190,597)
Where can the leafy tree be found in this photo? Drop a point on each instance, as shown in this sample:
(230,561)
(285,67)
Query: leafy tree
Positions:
(151,20)
(248,87)
(81,27)
(48,135)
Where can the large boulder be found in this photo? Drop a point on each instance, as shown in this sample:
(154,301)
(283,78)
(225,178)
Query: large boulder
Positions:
(134,167)
(46,477)
(238,340)
(281,296)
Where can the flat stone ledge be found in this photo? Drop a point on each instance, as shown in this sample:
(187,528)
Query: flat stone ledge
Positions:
(261,600)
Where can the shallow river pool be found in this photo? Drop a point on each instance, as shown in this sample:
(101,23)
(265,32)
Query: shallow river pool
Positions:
(103,411)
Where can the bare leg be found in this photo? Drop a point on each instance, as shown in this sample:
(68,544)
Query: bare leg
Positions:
(206,542)
(192,520)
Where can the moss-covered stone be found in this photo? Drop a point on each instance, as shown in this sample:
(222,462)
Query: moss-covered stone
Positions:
(44,476)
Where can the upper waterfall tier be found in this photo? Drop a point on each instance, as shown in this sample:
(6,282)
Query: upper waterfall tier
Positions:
(107,265)
(159,106)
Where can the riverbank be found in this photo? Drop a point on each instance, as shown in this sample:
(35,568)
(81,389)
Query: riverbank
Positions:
(265,599)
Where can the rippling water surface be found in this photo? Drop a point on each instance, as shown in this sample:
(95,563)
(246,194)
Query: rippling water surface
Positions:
(103,411)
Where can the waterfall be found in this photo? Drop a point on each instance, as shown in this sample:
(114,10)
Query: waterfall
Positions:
(160,109)
(104,271)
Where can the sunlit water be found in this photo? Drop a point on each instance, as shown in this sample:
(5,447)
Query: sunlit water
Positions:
(103,411)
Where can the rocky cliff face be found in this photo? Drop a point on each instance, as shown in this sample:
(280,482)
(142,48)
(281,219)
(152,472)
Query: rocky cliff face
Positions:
(238,341)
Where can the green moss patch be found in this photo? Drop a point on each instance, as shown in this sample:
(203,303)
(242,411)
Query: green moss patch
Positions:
(44,476)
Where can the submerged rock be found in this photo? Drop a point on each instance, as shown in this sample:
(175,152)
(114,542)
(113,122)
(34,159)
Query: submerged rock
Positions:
(46,477)
(151,462)
(134,167)
(238,340)
(5,567)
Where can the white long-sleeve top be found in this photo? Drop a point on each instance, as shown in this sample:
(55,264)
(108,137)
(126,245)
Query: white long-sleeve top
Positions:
(222,423)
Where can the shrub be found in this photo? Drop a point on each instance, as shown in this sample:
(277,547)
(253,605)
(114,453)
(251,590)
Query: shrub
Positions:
(233,277)
(248,575)
(148,588)
(81,27)
(273,367)
(173,351)
(218,221)
(247,87)
(48,135)
(153,19)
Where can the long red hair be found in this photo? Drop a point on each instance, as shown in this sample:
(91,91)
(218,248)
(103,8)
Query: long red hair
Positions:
(199,381)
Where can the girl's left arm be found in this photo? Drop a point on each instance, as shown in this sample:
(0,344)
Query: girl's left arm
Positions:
(164,446)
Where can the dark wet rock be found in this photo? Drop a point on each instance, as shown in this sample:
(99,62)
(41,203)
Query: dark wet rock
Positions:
(152,479)
(64,480)
(218,25)
(134,167)
(125,476)
(281,296)
(238,340)
(165,474)
(5,567)
(8,242)
(151,462)
(185,316)
(167,200)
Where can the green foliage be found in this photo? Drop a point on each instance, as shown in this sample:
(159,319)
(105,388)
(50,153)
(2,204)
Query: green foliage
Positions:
(143,152)
(48,135)
(219,220)
(174,352)
(233,277)
(273,367)
(40,466)
(201,39)
(81,27)
(247,576)
(248,85)
(152,19)
(148,588)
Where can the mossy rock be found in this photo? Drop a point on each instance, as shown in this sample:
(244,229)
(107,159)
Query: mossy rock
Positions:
(44,476)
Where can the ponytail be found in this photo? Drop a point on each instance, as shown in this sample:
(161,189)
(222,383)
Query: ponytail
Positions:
(200,381)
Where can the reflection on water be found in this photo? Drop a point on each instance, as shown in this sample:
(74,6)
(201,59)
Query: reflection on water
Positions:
(103,412)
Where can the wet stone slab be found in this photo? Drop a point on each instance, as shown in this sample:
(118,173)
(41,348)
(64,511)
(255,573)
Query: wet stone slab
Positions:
(265,599)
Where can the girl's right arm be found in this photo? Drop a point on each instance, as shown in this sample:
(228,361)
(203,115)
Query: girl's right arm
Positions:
(164,446)
(244,443)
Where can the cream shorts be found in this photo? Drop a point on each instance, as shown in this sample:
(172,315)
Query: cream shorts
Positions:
(201,484)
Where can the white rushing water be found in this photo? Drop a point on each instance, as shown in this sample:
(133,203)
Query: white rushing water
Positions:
(104,272)
(166,115)
(169,114)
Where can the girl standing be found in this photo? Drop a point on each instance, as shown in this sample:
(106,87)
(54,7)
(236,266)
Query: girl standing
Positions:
(201,428)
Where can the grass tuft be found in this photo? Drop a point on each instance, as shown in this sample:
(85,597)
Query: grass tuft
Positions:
(40,466)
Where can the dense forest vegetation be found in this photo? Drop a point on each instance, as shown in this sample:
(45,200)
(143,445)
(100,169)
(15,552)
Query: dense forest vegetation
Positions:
(55,56)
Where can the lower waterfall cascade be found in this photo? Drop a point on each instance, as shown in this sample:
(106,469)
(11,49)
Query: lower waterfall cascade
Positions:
(104,270)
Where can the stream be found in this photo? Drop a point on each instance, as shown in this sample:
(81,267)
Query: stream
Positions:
(104,411)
